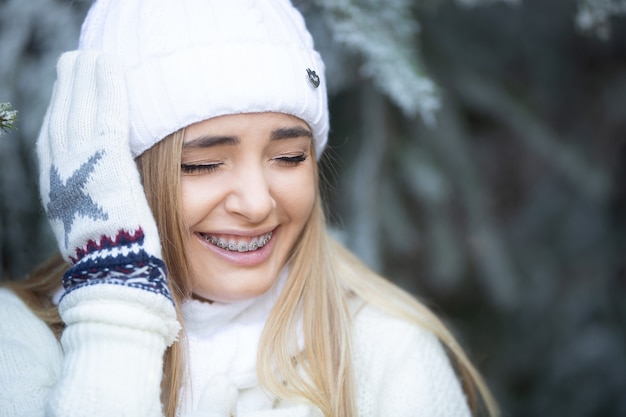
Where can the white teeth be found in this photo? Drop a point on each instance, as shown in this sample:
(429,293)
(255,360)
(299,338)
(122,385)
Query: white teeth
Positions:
(254,244)
(239,246)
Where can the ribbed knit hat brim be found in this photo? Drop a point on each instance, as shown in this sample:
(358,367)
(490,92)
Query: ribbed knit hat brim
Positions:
(190,60)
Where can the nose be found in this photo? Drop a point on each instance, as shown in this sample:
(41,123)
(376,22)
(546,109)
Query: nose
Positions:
(250,196)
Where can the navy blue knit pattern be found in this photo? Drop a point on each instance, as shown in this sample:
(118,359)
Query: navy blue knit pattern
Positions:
(119,261)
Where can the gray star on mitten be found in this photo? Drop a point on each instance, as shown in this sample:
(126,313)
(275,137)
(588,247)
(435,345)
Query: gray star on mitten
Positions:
(69,199)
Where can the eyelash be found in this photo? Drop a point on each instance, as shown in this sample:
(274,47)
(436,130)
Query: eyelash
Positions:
(198,169)
(208,168)
(292,160)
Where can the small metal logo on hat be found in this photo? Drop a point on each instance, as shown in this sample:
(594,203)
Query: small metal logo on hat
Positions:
(314,79)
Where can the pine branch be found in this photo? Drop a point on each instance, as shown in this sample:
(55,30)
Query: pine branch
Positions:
(384,35)
(8,117)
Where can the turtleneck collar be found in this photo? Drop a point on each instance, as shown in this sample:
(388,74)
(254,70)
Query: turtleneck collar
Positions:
(204,320)
(223,341)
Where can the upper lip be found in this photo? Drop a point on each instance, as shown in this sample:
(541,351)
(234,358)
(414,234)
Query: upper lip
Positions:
(240,233)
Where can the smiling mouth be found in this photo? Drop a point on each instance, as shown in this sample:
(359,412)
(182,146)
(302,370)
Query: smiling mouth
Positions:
(238,244)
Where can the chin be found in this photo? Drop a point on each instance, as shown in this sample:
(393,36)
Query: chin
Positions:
(225,293)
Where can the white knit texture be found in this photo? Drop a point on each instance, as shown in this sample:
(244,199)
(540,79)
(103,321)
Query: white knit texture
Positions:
(89,183)
(401,370)
(190,60)
(223,341)
(30,359)
(113,334)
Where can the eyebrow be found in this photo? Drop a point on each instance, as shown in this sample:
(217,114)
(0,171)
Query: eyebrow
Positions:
(207,141)
(277,134)
(291,133)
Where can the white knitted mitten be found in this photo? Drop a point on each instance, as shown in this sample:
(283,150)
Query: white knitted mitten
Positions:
(89,183)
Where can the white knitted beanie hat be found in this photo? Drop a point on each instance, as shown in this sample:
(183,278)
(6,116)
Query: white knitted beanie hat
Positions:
(190,60)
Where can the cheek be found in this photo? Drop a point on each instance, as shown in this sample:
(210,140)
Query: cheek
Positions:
(196,199)
(296,194)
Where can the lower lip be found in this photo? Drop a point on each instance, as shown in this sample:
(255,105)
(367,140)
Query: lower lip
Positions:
(250,258)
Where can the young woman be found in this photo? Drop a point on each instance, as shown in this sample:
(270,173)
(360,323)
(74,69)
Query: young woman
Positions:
(197,278)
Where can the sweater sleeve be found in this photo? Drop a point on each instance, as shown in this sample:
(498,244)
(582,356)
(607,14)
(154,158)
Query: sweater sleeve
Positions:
(402,370)
(109,362)
(113,345)
(30,359)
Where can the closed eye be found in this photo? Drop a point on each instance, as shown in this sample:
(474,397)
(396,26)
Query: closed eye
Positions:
(191,169)
(292,160)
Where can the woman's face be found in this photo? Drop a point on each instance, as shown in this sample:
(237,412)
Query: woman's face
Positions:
(248,188)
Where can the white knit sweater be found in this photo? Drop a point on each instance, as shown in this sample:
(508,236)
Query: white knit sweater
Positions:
(400,369)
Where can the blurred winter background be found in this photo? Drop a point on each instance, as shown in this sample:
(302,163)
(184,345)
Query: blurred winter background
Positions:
(478,157)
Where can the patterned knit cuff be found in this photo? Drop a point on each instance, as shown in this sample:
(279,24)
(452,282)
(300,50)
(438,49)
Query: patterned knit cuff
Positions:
(118,261)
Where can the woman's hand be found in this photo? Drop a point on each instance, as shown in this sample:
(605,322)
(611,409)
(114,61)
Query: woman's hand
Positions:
(89,184)
(117,308)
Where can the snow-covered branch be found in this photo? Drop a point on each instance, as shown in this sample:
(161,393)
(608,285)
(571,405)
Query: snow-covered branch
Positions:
(384,35)
(8,116)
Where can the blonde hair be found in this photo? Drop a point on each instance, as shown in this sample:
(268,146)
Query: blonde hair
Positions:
(324,278)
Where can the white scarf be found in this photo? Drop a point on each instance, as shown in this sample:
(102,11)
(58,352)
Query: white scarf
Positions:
(223,342)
